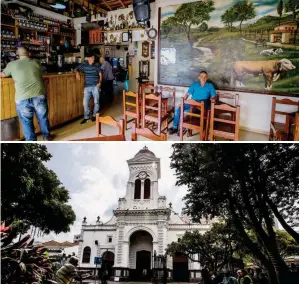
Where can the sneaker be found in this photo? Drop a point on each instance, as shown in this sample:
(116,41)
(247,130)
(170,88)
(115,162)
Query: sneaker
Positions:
(93,119)
(173,131)
(83,121)
(49,138)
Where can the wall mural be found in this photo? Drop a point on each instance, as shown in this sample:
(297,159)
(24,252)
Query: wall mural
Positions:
(243,45)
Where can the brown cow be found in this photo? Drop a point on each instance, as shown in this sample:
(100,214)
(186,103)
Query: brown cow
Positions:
(270,69)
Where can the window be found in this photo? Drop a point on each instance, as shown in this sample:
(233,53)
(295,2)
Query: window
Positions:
(86,255)
(137,193)
(109,238)
(147,189)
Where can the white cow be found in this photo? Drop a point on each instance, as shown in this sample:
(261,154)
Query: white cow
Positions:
(267,52)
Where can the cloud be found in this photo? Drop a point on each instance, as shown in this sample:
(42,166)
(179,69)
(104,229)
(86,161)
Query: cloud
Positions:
(96,176)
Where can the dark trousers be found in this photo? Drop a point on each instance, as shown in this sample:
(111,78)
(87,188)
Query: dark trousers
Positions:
(107,92)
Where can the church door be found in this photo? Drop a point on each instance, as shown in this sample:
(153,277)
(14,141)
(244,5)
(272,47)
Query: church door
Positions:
(143,265)
(180,268)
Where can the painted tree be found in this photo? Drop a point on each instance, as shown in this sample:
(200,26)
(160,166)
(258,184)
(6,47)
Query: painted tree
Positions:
(215,247)
(292,6)
(280,9)
(193,14)
(247,184)
(167,26)
(31,193)
(229,17)
(245,11)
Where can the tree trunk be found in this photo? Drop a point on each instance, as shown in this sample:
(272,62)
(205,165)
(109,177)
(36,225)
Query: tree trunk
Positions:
(241,26)
(283,223)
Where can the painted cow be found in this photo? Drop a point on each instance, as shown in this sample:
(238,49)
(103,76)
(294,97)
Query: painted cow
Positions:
(270,69)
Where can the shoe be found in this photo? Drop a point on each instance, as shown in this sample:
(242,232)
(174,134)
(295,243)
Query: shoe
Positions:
(173,131)
(83,121)
(49,138)
(93,119)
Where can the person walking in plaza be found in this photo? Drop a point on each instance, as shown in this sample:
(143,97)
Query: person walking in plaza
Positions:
(199,91)
(229,279)
(93,81)
(244,278)
(30,95)
(108,78)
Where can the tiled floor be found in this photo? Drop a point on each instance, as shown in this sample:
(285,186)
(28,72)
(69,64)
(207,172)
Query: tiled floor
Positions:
(75,130)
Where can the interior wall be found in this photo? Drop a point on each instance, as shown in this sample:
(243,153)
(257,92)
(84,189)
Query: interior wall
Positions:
(255,109)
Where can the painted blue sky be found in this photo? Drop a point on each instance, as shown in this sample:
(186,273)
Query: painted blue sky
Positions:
(96,176)
(262,8)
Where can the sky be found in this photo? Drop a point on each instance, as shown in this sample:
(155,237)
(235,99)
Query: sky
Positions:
(96,176)
(262,7)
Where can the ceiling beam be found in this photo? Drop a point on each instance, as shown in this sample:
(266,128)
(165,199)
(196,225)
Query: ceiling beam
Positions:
(107,5)
(121,2)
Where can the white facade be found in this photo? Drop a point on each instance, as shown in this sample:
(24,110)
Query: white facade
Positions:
(142,222)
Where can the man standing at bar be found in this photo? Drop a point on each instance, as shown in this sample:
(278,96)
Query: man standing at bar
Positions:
(30,94)
(108,77)
(93,80)
(199,91)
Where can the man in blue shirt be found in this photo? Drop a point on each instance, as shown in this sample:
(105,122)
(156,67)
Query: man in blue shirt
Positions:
(93,80)
(199,91)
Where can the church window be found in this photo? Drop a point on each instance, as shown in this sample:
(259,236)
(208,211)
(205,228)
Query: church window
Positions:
(137,193)
(86,255)
(109,239)
(147,189)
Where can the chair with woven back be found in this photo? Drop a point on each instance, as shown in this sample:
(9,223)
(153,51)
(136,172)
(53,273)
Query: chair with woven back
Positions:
(147,133)
(193,118)
(109,120)
(226,127)
(131,108)
(281,130)
(153,110)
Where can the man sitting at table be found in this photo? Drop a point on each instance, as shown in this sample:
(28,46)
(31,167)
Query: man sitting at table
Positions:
(199,91)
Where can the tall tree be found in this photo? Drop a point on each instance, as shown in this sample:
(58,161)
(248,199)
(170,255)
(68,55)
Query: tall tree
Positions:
(292,6)
(240,182)
(31,193)
(229,17)
(280,9)
(245,11)
(215,247)
(193,14)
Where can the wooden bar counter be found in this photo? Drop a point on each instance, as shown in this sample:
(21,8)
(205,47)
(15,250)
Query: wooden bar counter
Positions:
(64,94)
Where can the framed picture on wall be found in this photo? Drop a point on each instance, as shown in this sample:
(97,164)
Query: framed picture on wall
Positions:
(153,50)
(255,51)
(125,37)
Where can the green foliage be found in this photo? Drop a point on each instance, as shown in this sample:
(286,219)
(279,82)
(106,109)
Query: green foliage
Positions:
(31,193)
(215,247)
(292,6)
(280,8)
(229,17)
(245,11)
(247,184)
(22,262)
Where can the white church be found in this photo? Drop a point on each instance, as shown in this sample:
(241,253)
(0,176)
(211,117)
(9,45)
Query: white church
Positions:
(141,225)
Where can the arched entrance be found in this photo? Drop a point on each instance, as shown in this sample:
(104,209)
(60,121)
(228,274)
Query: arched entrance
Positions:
(108,262)
(140,256)
(180,268)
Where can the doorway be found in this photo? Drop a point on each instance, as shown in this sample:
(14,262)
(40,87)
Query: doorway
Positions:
(180,268)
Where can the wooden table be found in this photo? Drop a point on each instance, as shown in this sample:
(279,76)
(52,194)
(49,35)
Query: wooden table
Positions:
(64,95)
(104,138)
(292,119)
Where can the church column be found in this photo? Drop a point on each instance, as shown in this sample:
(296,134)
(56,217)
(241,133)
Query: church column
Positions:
(125,261)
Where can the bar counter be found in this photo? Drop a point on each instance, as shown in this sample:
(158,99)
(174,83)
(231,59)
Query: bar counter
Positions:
(64,94)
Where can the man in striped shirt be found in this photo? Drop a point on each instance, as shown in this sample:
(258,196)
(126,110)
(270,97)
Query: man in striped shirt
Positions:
(68,272)
(93,80)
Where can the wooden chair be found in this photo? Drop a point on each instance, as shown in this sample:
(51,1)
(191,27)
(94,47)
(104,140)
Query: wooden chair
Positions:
(105,138)
(154,111)
(296,130)
(191,120)
(224,127)
(170,100)
(281,131)
(148,86)
(147,133)
(109,120)
(234,98)
(131,108)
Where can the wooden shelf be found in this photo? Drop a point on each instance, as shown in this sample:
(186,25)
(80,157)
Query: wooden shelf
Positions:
(28,42)
(11,26)
(9,39)
(25,28)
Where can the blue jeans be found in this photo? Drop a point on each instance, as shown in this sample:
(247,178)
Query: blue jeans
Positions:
(177,113)
(88,93)
(26,109)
